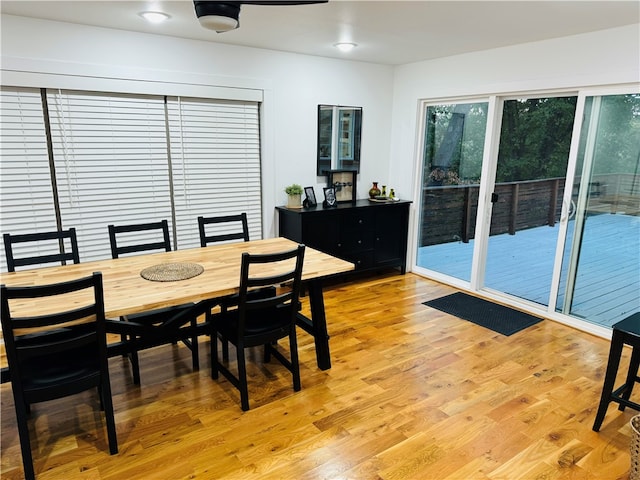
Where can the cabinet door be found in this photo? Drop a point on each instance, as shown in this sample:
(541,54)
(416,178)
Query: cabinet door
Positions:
(322,233)
(390,235)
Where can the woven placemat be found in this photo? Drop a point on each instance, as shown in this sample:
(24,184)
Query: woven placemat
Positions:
(171,272)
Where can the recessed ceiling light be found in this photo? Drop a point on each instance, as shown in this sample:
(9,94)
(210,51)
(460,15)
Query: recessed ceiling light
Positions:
(155,17)
(345,46)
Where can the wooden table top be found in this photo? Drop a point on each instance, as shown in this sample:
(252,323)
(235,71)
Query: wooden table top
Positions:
(126,292)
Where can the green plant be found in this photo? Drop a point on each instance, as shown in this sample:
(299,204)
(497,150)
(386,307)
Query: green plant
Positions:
(293,189)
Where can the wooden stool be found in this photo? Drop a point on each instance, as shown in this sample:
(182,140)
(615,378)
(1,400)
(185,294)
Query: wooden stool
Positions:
(627,332)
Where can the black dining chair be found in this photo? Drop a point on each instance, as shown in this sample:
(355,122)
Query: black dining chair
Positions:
(261,321)
(60,246)
(228,228)
(156,238)
(58,352)
(139,238)
(624,332)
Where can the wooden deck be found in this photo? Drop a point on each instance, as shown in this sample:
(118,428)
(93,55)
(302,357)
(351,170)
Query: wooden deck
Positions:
(608,282)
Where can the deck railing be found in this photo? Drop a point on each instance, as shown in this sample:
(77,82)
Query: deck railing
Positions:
(449,212)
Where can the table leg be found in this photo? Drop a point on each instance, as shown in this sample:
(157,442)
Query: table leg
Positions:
(317,325)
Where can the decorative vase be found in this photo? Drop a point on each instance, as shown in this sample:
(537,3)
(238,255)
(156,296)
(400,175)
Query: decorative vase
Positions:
(374,191)
(384,190)
(294,201)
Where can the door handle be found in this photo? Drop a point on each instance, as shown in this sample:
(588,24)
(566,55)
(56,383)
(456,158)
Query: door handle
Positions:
(572,209)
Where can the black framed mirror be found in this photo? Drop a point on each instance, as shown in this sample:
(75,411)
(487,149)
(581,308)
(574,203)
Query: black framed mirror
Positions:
(339,135)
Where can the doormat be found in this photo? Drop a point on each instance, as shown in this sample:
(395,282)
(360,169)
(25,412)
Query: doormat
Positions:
(498,318)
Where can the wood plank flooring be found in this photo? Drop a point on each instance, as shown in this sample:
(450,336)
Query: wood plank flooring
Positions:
(413,393)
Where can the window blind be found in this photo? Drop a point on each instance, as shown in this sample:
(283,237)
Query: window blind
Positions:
(124,159)
(215,157)
(110,155)
(26,193)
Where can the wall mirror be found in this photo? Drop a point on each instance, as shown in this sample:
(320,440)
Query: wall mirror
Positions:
(339,131)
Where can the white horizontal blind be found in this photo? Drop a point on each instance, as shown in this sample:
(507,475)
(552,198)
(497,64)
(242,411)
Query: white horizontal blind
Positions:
(26,194)
(215,156)
(110,155)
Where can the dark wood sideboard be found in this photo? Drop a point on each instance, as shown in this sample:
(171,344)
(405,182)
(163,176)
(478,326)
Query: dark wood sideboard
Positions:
(369,234)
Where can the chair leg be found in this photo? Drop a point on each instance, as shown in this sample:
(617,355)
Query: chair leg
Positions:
(135,367)
(615,352)
(295,364)
(123,337)
(101,397)
(195,354)
(632,376)
(214,355)
(225,348)
(107,402)
(25,443)
(224,341)
(242,378)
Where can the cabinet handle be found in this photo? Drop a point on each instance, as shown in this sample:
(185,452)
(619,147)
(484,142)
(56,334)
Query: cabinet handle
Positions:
(360,221)
(339,245)
(359,242)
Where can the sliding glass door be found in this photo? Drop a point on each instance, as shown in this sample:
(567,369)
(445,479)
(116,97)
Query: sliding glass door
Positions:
(544,214)
(454,138)
(535,138)
(600,277)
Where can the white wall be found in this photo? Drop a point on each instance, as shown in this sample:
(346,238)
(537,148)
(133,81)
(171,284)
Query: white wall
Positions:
(293,85)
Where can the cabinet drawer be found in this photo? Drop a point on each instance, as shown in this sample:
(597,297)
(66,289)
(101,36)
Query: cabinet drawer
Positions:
(360,259)
(356,241)
(360,219)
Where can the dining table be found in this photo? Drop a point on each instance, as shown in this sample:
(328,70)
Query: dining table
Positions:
(141,283)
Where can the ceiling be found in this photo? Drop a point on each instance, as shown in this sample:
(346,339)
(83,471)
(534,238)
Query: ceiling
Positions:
(387,32)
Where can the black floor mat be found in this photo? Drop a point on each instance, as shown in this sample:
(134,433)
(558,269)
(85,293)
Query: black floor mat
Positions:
(498,318)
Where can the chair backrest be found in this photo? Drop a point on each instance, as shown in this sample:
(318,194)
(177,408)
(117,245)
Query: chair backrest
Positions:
(282,269)
(161,227)
(51,242)
(59,329)
(235,227)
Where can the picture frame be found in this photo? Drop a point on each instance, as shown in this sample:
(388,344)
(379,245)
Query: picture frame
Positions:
(344,184)
(310,200)
(329,197)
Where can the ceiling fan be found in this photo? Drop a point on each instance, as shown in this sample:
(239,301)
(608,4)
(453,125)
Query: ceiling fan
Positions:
(224,16)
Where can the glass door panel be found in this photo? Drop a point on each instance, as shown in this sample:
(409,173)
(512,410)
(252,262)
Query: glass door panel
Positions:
(452,161)
(535,138)
(600,278)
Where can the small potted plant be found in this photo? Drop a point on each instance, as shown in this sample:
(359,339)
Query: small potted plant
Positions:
(294,196)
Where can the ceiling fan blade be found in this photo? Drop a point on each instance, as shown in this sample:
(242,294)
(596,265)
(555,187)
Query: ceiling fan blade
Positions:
(282,2)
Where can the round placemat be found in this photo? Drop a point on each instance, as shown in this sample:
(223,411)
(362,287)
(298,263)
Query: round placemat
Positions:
(171,272)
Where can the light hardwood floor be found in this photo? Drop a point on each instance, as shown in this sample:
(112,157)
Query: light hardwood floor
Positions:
(413,393)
